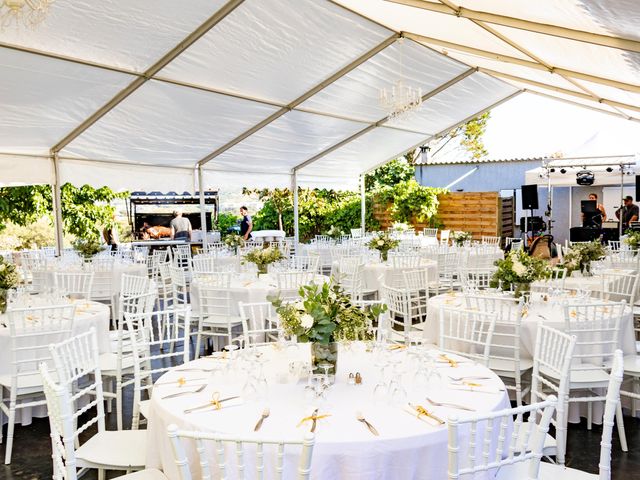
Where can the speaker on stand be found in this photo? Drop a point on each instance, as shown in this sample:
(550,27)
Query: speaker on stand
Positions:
(529,194)
(637,188)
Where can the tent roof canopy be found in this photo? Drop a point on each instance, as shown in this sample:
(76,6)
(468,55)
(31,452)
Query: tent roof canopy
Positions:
(253,90)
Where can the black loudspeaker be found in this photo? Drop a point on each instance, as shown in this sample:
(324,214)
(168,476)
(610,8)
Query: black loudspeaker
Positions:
(637,187)
(529,197)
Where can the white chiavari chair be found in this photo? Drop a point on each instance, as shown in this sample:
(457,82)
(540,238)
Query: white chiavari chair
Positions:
(212,263)
(473,447)
(356,232)
(39,280)
(404,261)
(596,327)
(260,324)
(140,254)
(350,277)
(182,257)
(153,263)
(31,330)
(130,286)
(617,286)
(505,359)
(117,366)
(550,471)
(307,263)
(476,270)
(447,270)
(76,404)
(289,283)
(32,260)
(232,452)
(468,333)
(613,246)
(74,284)
(217,319)
(489,240)
(430,232)
(102,289)
(550,376)
(149,358)
(407,313)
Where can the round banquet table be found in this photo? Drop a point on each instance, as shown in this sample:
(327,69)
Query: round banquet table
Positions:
(87,315)
(538,311)
(384,273)
(407,447)
(577,281)
(246,288)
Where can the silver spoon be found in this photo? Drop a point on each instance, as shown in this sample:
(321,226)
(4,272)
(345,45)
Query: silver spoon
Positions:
(459,379)
(193,392)
(265,414)
(371,428)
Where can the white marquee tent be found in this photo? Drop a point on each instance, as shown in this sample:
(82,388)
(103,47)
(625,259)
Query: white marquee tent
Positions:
(156,93)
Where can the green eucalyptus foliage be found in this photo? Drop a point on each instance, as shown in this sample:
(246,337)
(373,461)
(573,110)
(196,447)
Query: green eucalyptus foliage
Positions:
(225,222)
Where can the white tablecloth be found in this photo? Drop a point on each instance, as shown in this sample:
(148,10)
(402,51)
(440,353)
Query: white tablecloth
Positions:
(552,316)
(249,289)
(344,449)
(88,314)
(377,274)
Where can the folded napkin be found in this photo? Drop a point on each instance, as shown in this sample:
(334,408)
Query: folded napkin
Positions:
(474,387)
(314,414)
(217,402)
(182,382)
(422,414)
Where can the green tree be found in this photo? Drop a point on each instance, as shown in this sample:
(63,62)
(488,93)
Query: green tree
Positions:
(470,136)
(84,209)
(280,198)
(399,170)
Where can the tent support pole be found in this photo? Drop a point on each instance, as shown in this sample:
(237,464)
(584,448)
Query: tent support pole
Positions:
(363,203)
(296,223)
(203,213)
(57,205)
(621,202)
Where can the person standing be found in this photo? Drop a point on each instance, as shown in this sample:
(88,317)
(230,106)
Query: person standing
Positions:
(110,234)
(630,212)
(180,227)
(246,224)
(595,220)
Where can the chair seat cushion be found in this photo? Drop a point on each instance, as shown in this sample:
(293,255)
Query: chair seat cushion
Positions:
(114,449)
(109,363)
(632,365)
(550,471)
(146,474)
(27,384)
(221,321)
(504,367)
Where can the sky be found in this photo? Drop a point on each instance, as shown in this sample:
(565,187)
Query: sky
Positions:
(534,126)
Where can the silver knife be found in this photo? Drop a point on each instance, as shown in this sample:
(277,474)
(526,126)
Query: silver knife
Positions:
(208,405)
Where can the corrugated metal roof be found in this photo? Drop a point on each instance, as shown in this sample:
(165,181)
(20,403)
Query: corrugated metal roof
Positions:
(470,161)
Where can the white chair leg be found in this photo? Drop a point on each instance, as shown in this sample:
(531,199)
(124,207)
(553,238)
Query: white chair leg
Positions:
(119,405)
(196,353)
(101,474)
(634,400)
(589,415)
(10,428)
(620,425)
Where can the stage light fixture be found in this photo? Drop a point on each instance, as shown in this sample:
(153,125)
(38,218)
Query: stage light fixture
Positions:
(563,170)
(585,177)
(609,169)
(552,170)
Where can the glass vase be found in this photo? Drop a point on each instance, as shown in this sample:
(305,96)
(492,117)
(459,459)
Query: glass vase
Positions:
(324,353)
(3,300)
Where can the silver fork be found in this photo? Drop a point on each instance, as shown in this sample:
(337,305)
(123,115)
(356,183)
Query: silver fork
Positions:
(191,392)
(450,405)
(459,379)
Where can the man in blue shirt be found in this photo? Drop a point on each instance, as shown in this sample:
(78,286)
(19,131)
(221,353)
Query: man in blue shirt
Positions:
(246,225)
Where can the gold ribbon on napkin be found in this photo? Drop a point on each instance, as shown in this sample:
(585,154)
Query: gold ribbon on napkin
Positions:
(215,401)
(397,347)
(312,418)
(471,384)
(452,363)
(525,312)
(181,382)
(423,412)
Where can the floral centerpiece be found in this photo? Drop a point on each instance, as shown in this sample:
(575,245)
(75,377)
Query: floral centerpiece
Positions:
(518,270)
(323,316)
(383,243)
(335,233)
(580,256)
(87,247)
(9,278)
(262,257)
(632,238)
(459,238)
(234,242)
(400,227)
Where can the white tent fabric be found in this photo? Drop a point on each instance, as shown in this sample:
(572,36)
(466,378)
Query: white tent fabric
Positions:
(251,90)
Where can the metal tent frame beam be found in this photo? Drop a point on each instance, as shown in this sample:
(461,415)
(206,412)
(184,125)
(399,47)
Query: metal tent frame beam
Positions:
(382,121)
(148,74)
(525,63)
(305,96)
(520,24)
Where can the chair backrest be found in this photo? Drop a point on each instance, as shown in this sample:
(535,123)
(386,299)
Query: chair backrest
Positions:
(215,303)
(150,359)
(31,331)
(486,240)
(617,286)
(356,232)
(260,323)
(74,283)
(430,232)
(59,409)
(473,447)
(231,455)
(214,263)
(214,279)
(404,261)
(467,332)
(154,260)
(613,398)
(293,280)
(614,245)
(309,263)
(406,308)
(596,327)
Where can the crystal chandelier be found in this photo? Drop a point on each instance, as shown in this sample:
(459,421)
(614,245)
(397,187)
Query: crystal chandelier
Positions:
(29,13)
(401,101)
